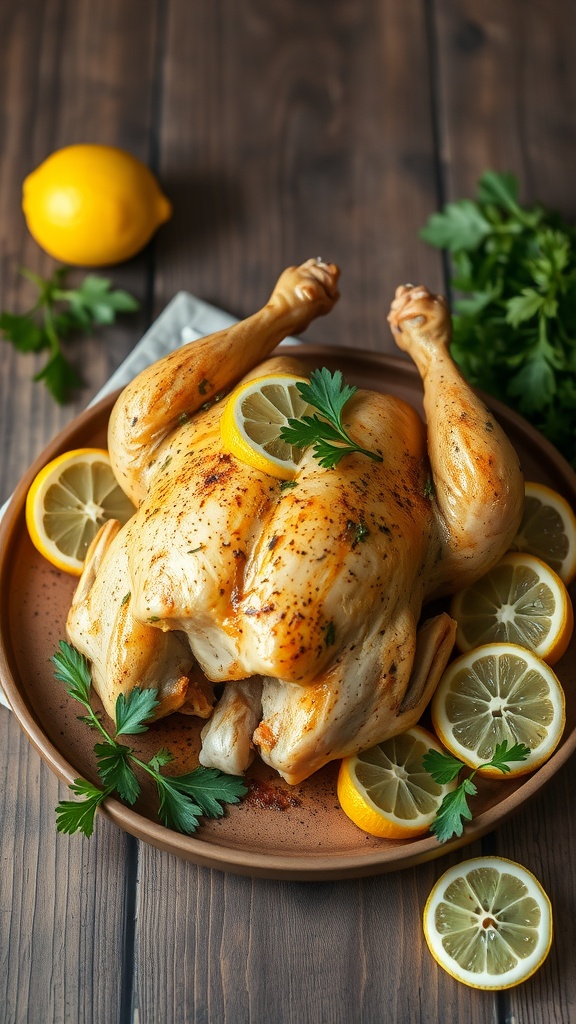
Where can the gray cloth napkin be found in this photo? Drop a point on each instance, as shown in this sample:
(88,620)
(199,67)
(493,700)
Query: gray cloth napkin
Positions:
(184,319)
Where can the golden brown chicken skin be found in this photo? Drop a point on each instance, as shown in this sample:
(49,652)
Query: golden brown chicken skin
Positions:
(305,602)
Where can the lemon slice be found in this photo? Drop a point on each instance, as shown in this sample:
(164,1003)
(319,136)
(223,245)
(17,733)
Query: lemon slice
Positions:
(68,502)
(386,791)
(522,601)
(494,693)
(488,923)
(253,417)
(548,530)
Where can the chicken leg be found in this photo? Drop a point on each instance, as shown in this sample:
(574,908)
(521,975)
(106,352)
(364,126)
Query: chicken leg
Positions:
(176,387)
(478,484)
(304,601)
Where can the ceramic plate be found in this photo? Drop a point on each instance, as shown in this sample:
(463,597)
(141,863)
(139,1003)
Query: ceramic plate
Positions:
(277,831)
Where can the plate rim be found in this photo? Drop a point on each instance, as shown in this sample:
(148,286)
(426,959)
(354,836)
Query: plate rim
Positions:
(235,859)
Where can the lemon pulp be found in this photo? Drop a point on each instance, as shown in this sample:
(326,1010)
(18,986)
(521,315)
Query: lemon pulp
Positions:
(488,922)
(499,692)
(522,601)
(67,503)
(385,790)
(252,421)
(548,530)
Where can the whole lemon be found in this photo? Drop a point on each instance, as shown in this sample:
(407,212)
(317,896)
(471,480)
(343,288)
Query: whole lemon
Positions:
(93,205)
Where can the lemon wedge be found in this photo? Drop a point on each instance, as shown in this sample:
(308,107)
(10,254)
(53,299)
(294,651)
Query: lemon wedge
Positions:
(68,502)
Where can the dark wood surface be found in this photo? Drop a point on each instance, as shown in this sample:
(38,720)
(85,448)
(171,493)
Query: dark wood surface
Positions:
(280,129)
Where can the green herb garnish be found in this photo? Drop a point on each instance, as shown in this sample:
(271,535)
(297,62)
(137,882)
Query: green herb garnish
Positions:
(184,799)
(454,809)
(328,438)
(330,634)
(515,322)
(359,532)
(57,313)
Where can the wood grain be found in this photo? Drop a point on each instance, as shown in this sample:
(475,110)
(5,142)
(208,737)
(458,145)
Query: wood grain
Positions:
(504,103)
(340,952)
(51,101)
(63,900)
(306,132)
(279,131)
(68,72)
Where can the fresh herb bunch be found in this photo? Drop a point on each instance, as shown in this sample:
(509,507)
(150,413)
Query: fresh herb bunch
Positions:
(328,437)
(57,313)
(183,798)
(515,322)
(454,809)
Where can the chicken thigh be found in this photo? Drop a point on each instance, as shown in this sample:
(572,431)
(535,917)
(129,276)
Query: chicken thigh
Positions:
(305,602)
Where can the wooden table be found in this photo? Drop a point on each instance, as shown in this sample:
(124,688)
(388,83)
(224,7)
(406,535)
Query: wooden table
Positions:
(280,129)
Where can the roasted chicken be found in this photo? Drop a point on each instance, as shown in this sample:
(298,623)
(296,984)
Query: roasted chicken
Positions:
(304,602)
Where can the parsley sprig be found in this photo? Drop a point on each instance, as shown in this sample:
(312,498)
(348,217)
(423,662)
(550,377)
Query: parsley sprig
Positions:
(515,320)
(183,799)
(454,809)
(57,313)
(328,437)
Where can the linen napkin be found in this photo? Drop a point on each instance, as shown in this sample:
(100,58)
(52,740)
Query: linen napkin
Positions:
(185,318)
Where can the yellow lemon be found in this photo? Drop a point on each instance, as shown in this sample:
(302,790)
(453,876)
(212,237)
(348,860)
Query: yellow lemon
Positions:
(548,530)
(488,923)
(494,693)
(68,502)
(385,790)
(92,205)
(521,601)
(253,417)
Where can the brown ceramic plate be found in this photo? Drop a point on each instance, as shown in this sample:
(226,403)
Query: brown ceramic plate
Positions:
(277,832)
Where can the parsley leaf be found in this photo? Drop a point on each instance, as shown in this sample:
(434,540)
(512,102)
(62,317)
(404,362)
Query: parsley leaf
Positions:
(72,669)
(134,710)
(22,332)
(57,313)
(461,226)
(327,437)
(514,322)
(183,799)
(115,771)
(59,376)
(442,767)
(453,812)
(500,189)
(445,768)
(501,755)
(78,816)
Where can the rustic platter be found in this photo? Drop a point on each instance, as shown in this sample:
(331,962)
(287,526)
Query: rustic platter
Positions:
(278,831)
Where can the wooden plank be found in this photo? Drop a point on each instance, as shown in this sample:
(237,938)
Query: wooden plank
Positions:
(507,96)
(542,838)
(62,898)
(302,135)
(69,71)
(507,102)
(251,951)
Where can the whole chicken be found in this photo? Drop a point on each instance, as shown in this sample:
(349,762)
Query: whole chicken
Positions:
(304,602)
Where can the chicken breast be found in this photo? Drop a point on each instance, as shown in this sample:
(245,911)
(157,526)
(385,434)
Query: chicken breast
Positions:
(305,602)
